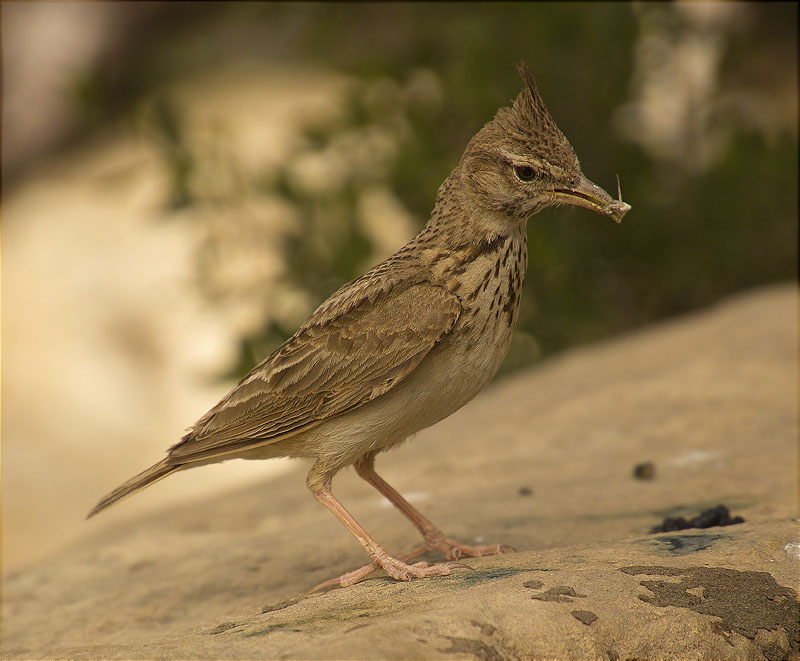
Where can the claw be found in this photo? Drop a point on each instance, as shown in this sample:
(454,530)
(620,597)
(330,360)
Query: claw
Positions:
(332,583)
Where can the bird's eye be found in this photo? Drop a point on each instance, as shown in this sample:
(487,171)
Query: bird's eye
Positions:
(524,172)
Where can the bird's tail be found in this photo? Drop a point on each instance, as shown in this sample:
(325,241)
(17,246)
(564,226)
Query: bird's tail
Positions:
(136,483)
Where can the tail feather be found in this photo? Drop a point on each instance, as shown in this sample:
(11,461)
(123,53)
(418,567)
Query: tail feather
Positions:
(136,483)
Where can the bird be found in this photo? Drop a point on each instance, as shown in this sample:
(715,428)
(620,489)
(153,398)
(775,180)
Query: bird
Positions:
(409,342)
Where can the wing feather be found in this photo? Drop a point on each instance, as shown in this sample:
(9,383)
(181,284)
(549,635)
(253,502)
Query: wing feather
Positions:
(357,346)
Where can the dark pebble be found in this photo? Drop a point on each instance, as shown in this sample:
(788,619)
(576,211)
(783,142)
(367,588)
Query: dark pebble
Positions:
(644,471)
(716,516)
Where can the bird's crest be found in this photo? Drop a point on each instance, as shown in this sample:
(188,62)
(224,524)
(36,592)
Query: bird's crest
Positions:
(528,104)
(528,121)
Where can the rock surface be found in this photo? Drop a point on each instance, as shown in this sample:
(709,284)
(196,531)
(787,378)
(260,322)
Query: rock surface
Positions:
(543,461)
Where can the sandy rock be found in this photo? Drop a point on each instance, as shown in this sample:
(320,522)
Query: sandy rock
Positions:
(543,461)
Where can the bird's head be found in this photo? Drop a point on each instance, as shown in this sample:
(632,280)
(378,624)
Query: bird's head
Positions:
(520,163)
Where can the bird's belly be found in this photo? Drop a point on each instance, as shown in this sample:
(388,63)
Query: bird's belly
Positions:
(459,368)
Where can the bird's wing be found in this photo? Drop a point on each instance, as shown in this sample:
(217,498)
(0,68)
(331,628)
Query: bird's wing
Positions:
(357,346)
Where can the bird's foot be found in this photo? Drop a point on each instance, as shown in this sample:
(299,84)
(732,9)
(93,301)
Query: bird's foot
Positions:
(396,567)
(453,550)
(401,571)
(356,575)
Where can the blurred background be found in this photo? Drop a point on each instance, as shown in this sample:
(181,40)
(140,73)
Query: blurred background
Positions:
(184,182)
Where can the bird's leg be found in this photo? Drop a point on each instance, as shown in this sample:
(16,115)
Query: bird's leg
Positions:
(319,481)
(434,538)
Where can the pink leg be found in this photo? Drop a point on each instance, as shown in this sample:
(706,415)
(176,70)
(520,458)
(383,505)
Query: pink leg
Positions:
(434,538)
(320,484)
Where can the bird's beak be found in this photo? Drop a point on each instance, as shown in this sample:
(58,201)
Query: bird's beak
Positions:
(589,195)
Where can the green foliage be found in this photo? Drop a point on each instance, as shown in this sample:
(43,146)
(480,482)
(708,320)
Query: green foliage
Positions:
(169,134)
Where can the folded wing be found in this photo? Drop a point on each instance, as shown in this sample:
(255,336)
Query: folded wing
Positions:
(357,346)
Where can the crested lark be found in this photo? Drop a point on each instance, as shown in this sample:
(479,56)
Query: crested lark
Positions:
(409,342)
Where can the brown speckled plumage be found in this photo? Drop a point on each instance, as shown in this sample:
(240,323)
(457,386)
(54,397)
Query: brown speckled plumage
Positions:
(410,341)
